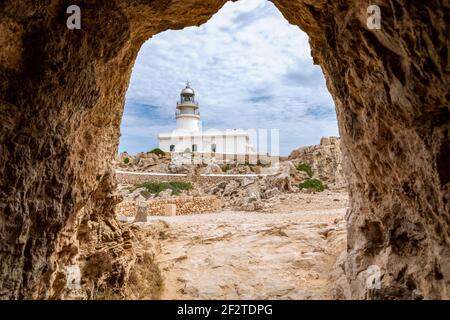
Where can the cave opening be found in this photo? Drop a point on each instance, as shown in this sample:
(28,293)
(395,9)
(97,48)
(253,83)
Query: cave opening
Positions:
(249,69)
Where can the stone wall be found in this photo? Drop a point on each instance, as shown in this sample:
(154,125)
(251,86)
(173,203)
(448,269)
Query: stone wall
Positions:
(134,178)
(184,206)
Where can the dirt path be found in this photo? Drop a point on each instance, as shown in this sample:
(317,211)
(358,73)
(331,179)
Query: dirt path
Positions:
(241,255)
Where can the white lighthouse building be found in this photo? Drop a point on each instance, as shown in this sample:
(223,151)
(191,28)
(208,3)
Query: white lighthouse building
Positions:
(189,137)
(187,114)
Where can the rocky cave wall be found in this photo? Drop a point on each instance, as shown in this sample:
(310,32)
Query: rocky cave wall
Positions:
(61,101)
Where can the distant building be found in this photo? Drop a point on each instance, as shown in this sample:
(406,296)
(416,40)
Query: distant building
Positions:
(188,137)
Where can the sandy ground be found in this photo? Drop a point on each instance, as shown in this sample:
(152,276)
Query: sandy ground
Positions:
(287,253)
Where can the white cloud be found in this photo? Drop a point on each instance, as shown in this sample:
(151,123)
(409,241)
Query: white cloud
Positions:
(250,69)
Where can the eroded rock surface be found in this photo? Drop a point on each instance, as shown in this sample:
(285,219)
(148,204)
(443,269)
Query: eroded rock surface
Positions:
(62,95)
(325,159)
(241,255)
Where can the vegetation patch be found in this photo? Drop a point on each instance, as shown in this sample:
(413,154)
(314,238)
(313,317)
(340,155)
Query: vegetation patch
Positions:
(305,168)
(157,187)
(312,184)
(126,160)
(157,151)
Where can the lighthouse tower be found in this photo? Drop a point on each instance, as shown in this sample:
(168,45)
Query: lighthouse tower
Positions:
(188,136)
(187,114)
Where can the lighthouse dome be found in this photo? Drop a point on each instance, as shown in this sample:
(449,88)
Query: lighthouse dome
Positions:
(188,90)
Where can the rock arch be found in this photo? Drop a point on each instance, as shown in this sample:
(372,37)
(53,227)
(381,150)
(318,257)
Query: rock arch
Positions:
(62,95)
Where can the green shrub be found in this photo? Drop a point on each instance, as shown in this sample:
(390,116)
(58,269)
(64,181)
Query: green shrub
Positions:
(157,151)
(314,184)
(305,168)
(126,160)
(157,187)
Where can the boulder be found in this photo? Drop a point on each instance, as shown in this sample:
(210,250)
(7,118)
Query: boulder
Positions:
(165,194)
(281,181)
(212,168)
(271,193)
(247,181)
(136,195)
(231,188)
(217,191)
(146,162)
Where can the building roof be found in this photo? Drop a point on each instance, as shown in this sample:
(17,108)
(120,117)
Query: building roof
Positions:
(187,89)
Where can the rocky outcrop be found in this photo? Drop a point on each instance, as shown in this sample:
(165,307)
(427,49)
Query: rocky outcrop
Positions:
(143,161)
(62,95)
(325,160)
(250,193)
(186,163)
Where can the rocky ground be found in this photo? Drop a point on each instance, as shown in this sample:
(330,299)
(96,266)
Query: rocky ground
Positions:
(272,239)
(288,253)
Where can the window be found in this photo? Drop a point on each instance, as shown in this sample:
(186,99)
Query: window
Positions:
(194,148)
(213,147)
(172,147)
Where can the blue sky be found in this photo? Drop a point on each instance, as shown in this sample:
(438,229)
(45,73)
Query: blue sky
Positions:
(250,69)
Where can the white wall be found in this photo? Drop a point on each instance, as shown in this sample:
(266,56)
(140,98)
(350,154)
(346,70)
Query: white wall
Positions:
(188,122)
(226,142)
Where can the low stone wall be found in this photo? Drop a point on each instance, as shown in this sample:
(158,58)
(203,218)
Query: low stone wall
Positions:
(184,206)
(134,178)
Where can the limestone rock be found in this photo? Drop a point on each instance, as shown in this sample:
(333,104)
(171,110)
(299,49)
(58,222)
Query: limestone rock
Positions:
(136,195)
(137,158)
(271,193)
(231,188)
(212,168)
(165,194)
(281,181)
(146,162)
(325,160)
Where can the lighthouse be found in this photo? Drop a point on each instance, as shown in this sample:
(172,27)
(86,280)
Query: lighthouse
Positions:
(187,114)
(188,136)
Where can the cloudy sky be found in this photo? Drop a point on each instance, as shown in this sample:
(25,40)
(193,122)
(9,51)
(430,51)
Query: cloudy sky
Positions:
(250,69)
